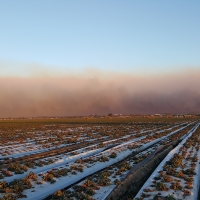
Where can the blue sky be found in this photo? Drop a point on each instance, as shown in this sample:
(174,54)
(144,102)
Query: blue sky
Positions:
(136,36)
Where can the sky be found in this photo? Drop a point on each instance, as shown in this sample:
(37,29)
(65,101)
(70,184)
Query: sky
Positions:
(51,51)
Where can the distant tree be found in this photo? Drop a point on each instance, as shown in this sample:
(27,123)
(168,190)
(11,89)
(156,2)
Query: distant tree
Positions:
(110,114)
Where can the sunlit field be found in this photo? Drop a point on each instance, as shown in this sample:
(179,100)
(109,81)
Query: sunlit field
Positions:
(92,158)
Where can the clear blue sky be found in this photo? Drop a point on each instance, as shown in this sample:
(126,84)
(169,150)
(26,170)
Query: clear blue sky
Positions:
(116,35)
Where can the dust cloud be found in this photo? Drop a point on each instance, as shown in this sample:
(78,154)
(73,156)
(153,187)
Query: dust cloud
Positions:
(99,93)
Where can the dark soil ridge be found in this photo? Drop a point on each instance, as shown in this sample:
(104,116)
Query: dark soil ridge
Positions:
(138,175)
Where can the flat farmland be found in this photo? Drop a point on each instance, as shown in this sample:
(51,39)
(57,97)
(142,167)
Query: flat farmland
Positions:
(100,158)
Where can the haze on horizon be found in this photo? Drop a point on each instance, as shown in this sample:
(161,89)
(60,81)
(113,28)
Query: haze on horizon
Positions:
(99,92)
(64,58)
